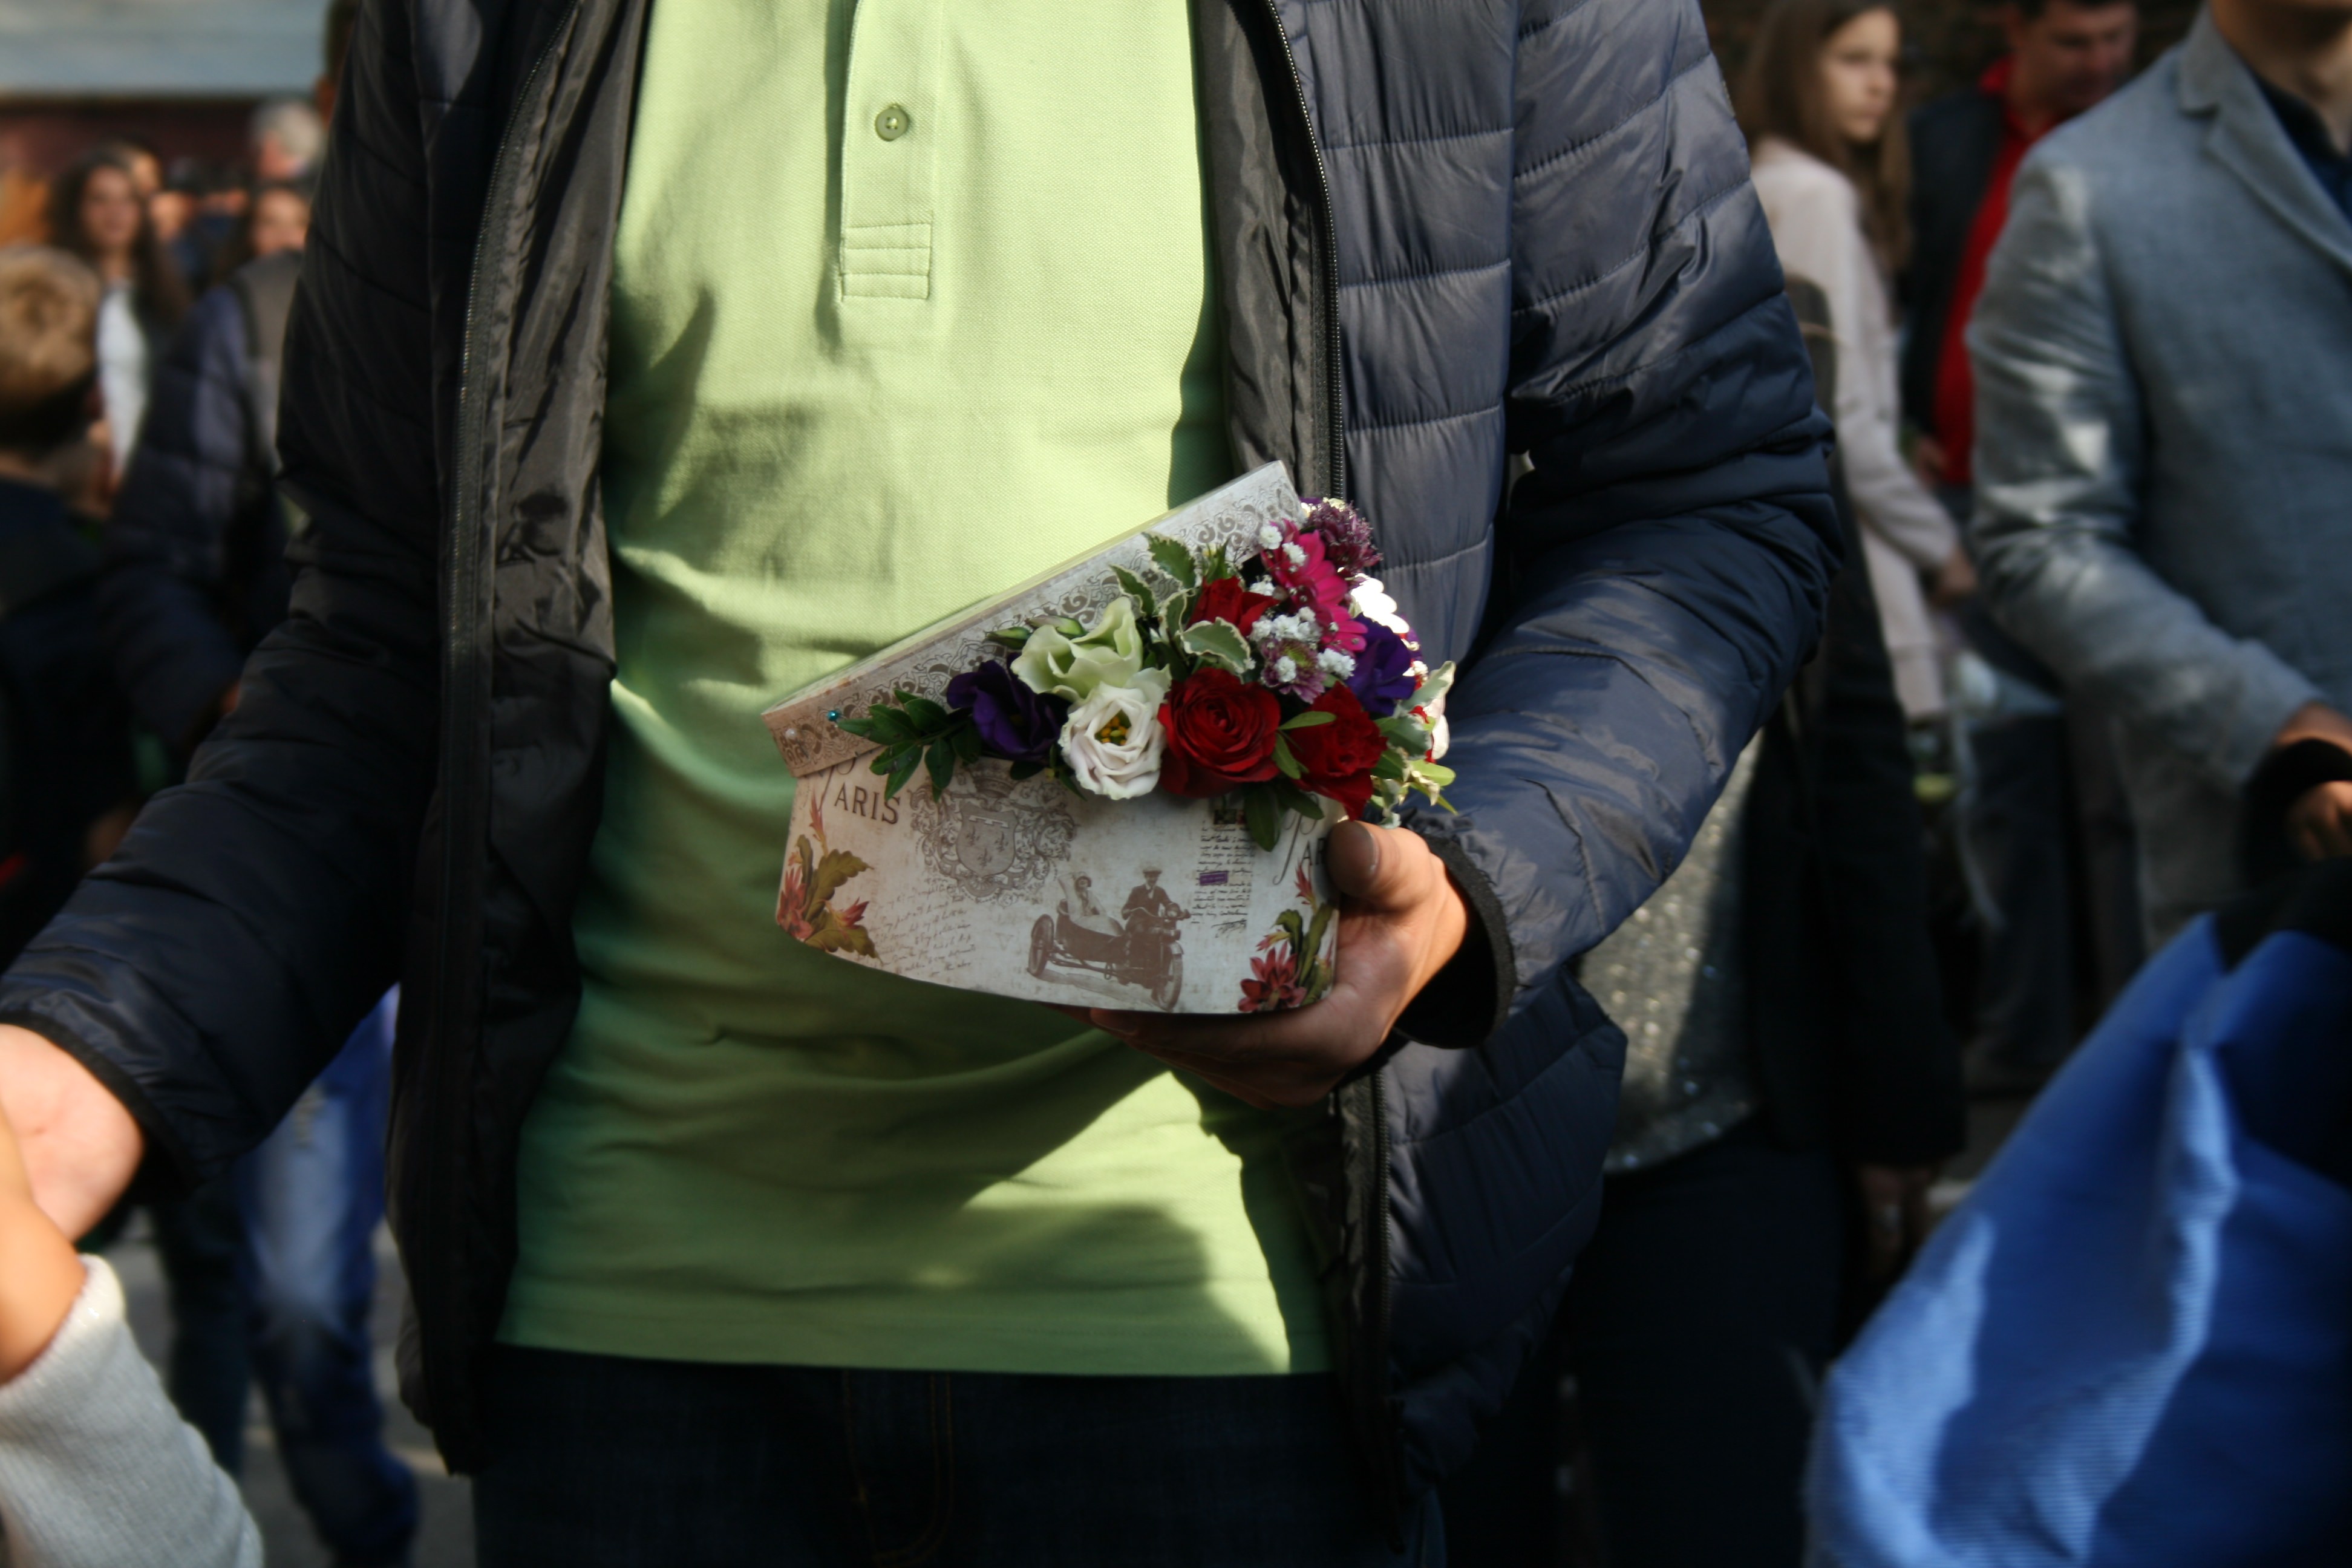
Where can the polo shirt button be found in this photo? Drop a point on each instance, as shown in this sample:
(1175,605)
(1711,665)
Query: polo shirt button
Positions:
(893,122)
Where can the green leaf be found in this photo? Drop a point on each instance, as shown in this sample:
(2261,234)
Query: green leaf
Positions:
(901,771)
(862,728)
(940,760)
(1283,760)
(888,723)
(1297,800)
(1027,771)
(1431,780)
(1070,628)
(1015,638)
(1219,642)
(1217,564)
(837,866)
(1390,766)
(1308,720)
(965,738)
(828,934)
(928,717)
(1133,585)
(1404,729)
(1175,559)
(1263,814)
(1436,684)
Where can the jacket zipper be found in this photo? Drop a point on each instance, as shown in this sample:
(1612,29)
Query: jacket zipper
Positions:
(1335,390)
(462,813)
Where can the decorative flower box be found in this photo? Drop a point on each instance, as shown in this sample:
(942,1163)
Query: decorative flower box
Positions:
(1078,871)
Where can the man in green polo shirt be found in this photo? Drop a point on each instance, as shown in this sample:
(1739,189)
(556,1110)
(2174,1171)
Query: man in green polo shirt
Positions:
(654,357)
(993,345)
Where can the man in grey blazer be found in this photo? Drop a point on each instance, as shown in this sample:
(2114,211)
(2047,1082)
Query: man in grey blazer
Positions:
(2163,356)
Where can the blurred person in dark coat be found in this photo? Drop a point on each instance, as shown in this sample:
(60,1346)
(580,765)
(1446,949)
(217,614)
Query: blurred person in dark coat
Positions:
(66,775)
(2038,798)
(196,576)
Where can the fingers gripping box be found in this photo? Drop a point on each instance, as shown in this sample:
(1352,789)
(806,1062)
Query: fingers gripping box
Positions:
(1027,887)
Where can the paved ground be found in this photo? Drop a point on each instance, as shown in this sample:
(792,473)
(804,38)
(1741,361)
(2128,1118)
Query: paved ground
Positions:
(447,1539)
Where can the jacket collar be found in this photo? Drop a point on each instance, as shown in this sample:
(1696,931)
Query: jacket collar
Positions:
(2246,138)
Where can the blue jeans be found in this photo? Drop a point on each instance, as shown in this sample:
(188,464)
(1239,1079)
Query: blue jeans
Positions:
(312,1195)
(603,1462)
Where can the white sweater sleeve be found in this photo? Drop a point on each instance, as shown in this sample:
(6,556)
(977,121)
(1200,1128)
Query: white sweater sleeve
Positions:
(1816,222)
(97,1469)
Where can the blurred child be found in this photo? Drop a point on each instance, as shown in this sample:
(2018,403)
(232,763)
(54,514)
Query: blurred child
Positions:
(96,1468)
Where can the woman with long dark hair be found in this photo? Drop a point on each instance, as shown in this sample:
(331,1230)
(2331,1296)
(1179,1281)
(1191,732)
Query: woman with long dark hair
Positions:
(1818,102)
(98,213)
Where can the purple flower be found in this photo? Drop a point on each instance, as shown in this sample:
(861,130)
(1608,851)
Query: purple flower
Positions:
(1347,537)
(1015,722)
(1383,675)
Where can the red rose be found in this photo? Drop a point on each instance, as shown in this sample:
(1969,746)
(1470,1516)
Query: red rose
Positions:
(1219,734)
(1337,758)
(1226,600)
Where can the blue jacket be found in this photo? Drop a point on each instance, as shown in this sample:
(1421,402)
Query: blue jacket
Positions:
(1444,234)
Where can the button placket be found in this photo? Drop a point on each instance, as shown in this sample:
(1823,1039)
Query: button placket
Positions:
(888,150)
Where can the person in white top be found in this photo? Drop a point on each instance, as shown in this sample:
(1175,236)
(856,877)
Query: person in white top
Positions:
(97,1469)
(1818,104)
(98,212)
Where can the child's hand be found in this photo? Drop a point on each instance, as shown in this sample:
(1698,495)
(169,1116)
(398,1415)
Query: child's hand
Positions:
(40,1273)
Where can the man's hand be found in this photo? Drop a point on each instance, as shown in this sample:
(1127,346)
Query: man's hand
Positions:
(39,1274)
(1928,460)
(1894,1205)
(2319,823)
(1954,581)
(81,1147)
(1400,919)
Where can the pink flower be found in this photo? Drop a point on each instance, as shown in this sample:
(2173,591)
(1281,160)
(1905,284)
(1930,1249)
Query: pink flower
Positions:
(1297,565)
(1273,985)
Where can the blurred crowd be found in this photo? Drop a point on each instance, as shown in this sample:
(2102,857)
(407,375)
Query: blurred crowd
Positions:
(2082,686)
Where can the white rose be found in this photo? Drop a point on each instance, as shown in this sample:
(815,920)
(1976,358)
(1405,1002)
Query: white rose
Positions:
(1372,603)
(1113,740)
(1109,653)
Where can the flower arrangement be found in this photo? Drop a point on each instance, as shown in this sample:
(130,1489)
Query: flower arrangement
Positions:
(1284,678)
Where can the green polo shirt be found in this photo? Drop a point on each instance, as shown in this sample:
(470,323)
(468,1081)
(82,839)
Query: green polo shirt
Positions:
(911,303)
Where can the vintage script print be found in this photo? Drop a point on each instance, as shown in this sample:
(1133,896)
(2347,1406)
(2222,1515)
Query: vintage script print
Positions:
(1022,888)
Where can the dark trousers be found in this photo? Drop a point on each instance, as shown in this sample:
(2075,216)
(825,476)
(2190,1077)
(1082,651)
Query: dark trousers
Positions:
(271,1276)
(197,1239)
(1689,1350)
(311,1196)
(2017,813)
(606,1462)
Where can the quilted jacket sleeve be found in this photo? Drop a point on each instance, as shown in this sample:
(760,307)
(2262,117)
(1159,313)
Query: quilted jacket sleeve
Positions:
(166,541)
(1667,558)
(209,970)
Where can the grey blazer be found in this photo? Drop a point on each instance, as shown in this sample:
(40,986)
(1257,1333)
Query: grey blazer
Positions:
(2163,356)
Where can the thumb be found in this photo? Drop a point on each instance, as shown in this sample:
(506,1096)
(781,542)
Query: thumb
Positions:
(1375,867)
